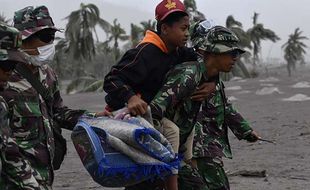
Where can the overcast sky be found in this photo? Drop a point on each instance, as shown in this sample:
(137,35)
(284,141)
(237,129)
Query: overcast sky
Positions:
(282,16)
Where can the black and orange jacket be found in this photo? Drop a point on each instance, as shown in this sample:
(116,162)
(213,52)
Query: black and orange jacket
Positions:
(142,70)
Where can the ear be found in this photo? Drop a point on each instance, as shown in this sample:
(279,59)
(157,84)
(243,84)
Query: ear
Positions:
(211,58)
(164,29)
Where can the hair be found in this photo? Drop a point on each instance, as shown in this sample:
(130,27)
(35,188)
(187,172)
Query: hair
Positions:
(170,20)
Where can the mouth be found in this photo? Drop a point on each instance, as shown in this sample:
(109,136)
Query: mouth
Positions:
(232,66)
(185,41)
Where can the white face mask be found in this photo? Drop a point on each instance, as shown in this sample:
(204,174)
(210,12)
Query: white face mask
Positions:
(46,55)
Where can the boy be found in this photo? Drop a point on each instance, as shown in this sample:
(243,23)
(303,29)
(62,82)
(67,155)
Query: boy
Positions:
(140,73)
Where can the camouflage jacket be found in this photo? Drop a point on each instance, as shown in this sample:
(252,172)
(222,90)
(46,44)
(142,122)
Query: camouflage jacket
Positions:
(31,125)
(214,119)
(4,124)
(11,158)
(173,100)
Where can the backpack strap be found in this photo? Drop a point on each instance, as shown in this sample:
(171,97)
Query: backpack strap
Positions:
(36,84)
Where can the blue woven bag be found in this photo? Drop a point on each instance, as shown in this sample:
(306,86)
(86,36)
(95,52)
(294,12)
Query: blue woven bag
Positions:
(118,154)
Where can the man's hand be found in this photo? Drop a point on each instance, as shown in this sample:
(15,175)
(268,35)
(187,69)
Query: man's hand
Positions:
(203,91)
(193,163)
(137,106)
(252,137)
(104,113)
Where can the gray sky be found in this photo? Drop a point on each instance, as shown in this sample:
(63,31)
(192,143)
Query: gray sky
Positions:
(282,16)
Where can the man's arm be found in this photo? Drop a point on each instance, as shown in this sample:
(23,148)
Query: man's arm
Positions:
(238,125)
(181,82)
(65,117)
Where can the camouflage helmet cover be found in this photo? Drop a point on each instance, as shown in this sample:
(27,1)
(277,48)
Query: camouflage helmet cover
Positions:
(208,36)
(10,42)
(30,20)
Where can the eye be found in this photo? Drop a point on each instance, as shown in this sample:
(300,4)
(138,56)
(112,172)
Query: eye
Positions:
(184,28)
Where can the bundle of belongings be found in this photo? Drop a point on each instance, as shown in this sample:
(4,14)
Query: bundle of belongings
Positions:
(122,151)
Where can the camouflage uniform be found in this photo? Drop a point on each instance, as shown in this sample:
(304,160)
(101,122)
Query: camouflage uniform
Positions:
(217,114)
(12,160)
(31,124)
(173,102)
(211,136)
(4,128)
(9,150)
(9,41)
(173,99)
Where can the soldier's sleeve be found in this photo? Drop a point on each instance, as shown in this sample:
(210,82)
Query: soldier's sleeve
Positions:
(15,167)
(181,82)
(64,116)
(131,70)
(238,125)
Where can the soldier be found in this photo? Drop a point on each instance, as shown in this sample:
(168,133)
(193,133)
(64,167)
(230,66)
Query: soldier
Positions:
(12,160)
(218,46)
(174,102)
(8,40)
(35,113)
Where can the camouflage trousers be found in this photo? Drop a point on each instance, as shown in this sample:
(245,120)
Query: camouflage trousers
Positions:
(148,185)
(6,185)
(188,179)
(213,173)
(13,177)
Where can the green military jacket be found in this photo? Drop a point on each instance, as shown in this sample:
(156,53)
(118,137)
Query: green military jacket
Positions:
(214,119)
(4,124)
(173,99)
(16,171)
(31,126)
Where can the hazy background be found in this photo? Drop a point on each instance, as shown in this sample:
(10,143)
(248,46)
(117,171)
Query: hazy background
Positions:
(282,16)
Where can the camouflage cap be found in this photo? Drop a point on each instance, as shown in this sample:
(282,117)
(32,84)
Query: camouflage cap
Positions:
(30,20)
(10,42)
(213,38)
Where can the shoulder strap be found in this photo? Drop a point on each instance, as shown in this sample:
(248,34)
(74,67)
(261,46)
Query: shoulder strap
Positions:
(35,83)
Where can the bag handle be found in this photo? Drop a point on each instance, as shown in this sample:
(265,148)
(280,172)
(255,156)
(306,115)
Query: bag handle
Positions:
(94,140)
